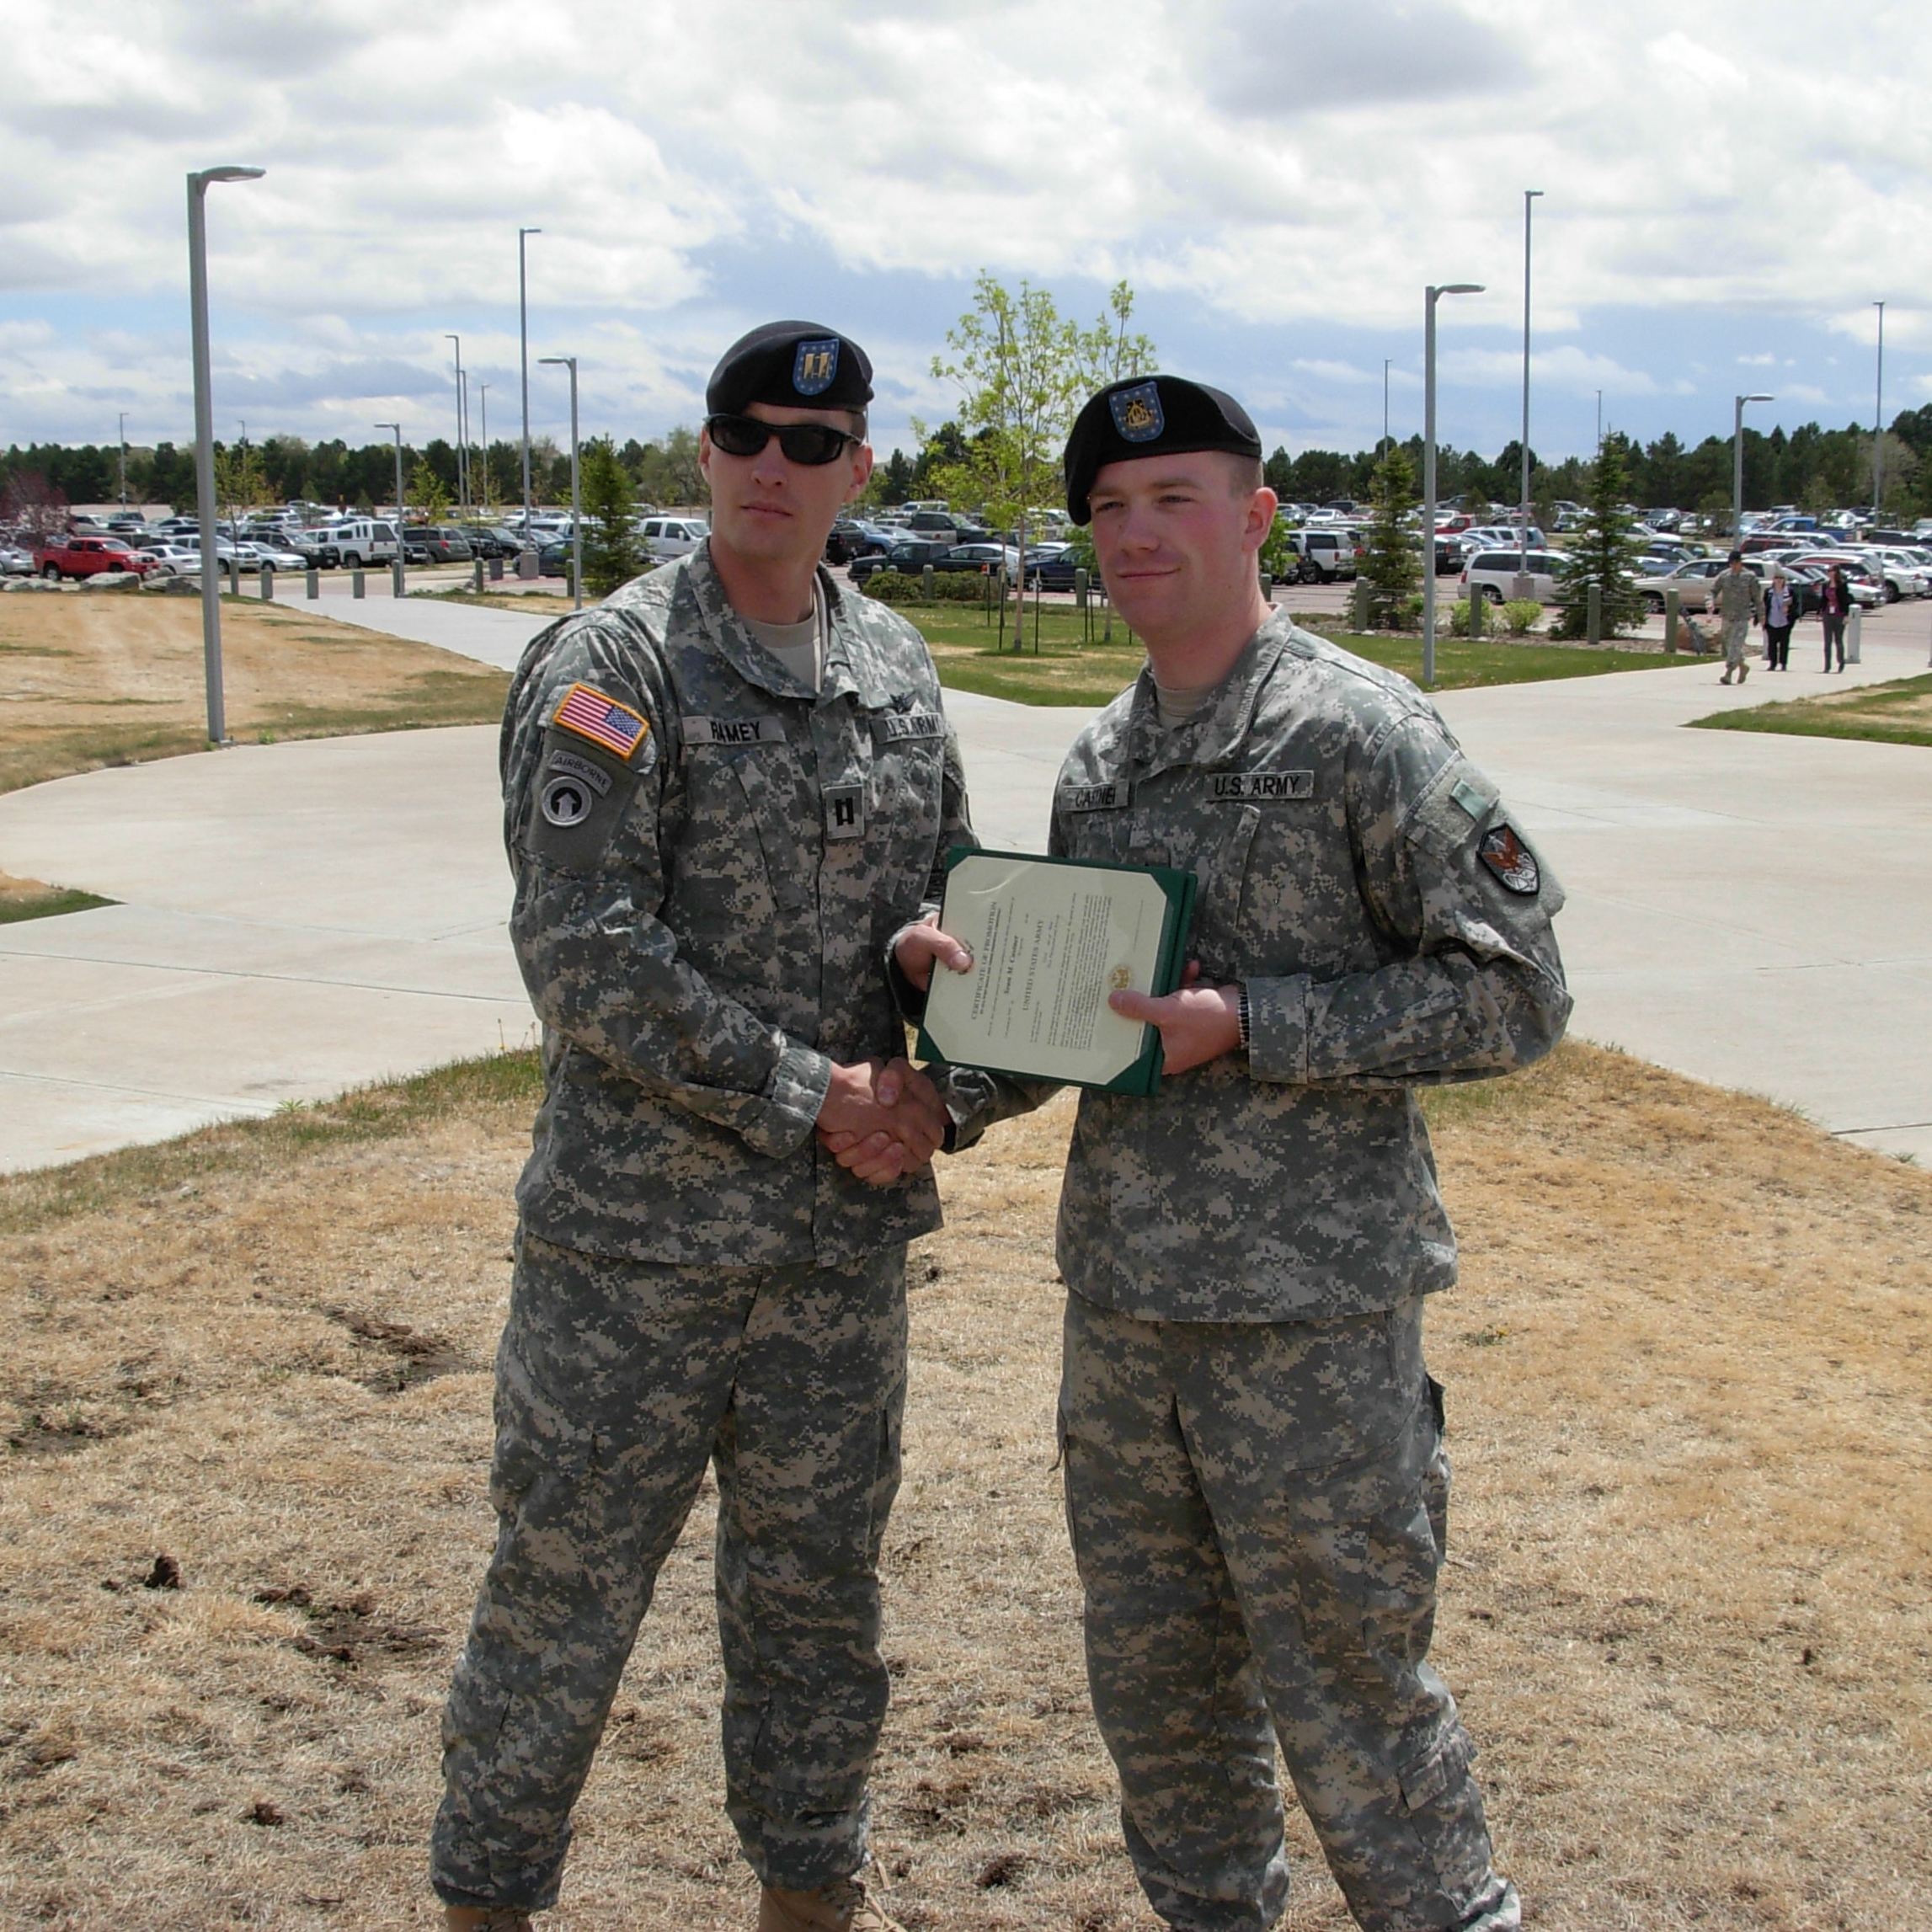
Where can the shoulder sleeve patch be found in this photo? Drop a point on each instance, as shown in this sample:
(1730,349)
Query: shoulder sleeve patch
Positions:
(1510,860)
(601,718)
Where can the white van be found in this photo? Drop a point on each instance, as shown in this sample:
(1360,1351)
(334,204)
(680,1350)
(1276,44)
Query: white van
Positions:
(363,540)
(669,536)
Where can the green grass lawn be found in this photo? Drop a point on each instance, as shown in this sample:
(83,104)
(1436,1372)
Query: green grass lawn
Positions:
(1067,670)
(1899,713)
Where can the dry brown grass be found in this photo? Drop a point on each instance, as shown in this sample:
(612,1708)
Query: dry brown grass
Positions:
(88,679)
(1686,1611)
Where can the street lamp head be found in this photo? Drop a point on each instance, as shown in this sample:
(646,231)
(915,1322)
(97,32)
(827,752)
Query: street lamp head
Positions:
(1757,398)
(560,360)
(1457,288)
(208,174)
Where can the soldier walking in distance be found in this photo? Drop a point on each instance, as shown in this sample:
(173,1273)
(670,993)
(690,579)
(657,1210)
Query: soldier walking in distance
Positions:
(1256,1483)
(725,790)
(1738,598)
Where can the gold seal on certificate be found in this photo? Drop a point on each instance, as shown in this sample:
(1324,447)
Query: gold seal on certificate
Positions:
(1050,939)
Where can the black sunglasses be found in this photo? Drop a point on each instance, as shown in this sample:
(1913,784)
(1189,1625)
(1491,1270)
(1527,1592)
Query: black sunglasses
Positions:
(811,444)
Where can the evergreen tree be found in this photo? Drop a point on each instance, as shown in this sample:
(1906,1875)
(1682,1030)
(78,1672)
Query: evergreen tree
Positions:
(612,552)
(1391,566)
(1603,553)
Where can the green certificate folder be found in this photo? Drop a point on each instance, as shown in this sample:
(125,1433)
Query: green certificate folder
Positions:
(1050,939)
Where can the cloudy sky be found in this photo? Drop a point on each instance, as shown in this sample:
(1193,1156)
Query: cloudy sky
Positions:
(1728,189)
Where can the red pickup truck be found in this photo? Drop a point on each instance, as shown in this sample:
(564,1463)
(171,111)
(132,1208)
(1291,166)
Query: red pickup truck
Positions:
(73,555)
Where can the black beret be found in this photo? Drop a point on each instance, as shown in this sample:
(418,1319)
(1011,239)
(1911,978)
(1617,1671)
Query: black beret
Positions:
(796,365)
(1150,416)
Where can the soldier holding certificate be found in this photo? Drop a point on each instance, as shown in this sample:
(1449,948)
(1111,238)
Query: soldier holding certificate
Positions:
(1255,1482)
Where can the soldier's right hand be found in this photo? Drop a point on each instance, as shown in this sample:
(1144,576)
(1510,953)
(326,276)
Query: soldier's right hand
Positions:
(881,1120)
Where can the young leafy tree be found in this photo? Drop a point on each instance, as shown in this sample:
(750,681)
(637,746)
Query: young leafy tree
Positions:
(429,495)
(1391,566)
(612,552)
(1022,373)
(1603,551)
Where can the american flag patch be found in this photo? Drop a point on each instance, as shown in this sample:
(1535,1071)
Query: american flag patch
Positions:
(601,719)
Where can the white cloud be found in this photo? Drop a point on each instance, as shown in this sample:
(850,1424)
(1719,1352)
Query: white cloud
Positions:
(1269,163)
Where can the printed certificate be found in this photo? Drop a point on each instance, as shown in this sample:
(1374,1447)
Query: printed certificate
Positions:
(1050,939)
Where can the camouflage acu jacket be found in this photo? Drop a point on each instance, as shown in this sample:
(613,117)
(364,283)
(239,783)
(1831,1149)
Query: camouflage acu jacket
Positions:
(709,865)
(1737,596)
(1391,926)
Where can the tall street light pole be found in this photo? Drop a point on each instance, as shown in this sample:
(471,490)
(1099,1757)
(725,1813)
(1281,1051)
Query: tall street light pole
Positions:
(1430,298)
(462,437)
(1878,422)
(1738,464)
(482,400)
(570,362)
(123,459)
(396,577)
(1530,195)
(1385,361)
(204,437)
(523,341)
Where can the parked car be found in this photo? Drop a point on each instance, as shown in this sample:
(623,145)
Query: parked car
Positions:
(850,538)
(1493,573)
(76,556)
(910,557)
(262,550)
(15,560)
(431,544)
(486,542)
(669,536)
(317,547)
(1323,555)
(1691,581)
(978,557)
(364,541)
(1055,572)
(172,559)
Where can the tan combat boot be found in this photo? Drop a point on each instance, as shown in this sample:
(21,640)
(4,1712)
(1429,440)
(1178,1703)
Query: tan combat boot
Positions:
(486,1918)
(846,1906)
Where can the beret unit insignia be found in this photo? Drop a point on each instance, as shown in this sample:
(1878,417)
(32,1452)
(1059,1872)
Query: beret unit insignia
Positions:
(815,367)
(1137,412)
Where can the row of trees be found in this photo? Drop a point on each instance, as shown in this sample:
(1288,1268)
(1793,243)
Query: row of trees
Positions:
(1817,469)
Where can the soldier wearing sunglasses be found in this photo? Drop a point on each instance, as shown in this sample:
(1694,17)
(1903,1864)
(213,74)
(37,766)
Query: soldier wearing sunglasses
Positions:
(727,789)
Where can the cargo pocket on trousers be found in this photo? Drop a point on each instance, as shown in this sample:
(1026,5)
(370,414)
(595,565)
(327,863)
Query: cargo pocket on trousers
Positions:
(1427,1780)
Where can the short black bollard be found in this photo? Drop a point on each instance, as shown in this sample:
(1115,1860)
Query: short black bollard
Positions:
(1673,623)
(477,577)
(1478,611)
(355,581)
(1594,614)
(925,584)
(396,577)
(496,570)
(267,583)
(1360,597)
(1267,588)
(312,579)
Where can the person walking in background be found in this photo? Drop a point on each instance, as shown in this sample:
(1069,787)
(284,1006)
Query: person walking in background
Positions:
(1834,607)
(1737,602)
(1780,613)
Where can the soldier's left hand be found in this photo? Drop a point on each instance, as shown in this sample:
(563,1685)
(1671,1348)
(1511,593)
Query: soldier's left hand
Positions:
(1198,1023)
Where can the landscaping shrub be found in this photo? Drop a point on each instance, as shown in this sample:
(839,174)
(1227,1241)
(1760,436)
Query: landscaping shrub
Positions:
(1518,614)
(895,587)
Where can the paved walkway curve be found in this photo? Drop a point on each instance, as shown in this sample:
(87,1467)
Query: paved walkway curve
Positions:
(298,918)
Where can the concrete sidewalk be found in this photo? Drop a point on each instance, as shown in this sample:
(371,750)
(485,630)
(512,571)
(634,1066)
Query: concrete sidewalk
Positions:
(1751,910)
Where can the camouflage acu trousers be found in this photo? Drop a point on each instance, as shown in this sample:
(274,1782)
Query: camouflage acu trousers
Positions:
(1258,1512)
(615,1382)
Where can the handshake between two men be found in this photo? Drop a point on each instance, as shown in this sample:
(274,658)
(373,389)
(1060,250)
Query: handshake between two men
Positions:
(883,1118)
